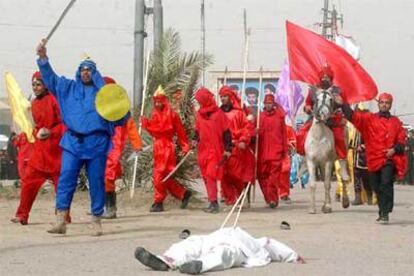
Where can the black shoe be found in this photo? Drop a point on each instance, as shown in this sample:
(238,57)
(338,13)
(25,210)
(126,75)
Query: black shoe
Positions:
(212,208)
(157,207)
(273,204)
(286,199)
(193,267)
(385,219)
(186,199)
(150,260)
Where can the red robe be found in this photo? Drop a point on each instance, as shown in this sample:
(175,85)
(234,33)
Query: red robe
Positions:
(163,126)
(272,150)
(113,168)
(211,124)
(379,134)
(239,168)
(45,160)
(47,153)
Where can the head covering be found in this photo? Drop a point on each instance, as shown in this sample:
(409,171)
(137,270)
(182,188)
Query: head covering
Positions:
(108,80)
(97,78)
(88,64)
(234,98)
(269,98)
(206,100)
(37,76)
(326,70)
(384,96)
(161,119)
(160,96)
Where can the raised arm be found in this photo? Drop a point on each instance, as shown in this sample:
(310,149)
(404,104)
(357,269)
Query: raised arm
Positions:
(55,84)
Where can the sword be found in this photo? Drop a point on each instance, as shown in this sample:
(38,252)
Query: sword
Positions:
(59,21)
(176,167)
(137,154)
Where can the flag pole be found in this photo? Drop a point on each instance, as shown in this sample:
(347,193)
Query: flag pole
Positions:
(246,55)
(256,153)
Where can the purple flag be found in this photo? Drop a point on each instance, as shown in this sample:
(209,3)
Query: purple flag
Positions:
(289,93)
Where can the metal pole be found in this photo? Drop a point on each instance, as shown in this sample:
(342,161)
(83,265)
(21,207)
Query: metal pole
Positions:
(203,42)
(325,18)
(334,23)
(158,24)
(139,35)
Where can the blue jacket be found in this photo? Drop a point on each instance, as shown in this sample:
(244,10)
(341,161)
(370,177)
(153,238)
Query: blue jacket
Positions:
(88,134)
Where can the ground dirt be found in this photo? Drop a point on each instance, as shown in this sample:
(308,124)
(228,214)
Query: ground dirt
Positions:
(345,242)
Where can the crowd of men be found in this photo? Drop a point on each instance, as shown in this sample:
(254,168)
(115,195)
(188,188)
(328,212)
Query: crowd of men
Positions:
(235,144)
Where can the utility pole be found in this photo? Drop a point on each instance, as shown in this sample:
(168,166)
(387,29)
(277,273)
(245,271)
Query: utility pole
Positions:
(330,21)
(139,35)
(203,43)
(158,24)
(325,18)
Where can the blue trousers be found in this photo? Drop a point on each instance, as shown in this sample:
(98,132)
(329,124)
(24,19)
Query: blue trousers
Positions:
(68,179)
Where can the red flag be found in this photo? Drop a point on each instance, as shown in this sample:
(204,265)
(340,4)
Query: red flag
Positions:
(309,51)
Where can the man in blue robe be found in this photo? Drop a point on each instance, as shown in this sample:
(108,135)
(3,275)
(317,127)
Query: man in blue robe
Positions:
(87,138)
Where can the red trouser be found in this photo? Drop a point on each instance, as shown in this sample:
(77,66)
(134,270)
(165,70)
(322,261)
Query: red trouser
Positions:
(269,175)
(211,186)
(32,180)
(109,186)
(284,178)
(340,145)
(161,188)
(231,188)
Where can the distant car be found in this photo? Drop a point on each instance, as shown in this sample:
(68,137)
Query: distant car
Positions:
(3,142)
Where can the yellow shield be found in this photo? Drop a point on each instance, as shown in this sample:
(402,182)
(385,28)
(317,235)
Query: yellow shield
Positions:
(112,102)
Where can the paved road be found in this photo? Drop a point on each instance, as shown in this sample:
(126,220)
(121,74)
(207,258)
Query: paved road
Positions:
(345,242)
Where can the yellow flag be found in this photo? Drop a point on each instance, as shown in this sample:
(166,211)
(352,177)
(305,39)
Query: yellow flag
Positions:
(19,106)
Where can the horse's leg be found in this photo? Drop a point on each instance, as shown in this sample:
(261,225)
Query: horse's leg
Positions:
(312,185)
(345,180)
(326,208)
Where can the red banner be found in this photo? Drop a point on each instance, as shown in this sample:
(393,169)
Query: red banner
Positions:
(309,51)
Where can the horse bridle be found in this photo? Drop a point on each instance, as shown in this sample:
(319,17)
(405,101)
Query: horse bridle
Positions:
(317,108)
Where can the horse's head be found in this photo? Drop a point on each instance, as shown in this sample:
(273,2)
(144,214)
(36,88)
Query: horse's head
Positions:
(323,105)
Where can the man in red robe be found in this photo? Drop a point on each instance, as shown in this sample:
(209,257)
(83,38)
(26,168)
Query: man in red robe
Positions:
(113,169)
(336,122)
(272,149)
(213,139)
(284,181)
(45,160)
(239,167)
(384,138)
(163,125)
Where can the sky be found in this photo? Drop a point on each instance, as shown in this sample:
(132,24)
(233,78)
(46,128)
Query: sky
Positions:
(104,30)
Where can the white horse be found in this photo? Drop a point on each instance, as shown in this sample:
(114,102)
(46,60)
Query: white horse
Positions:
(320,149)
